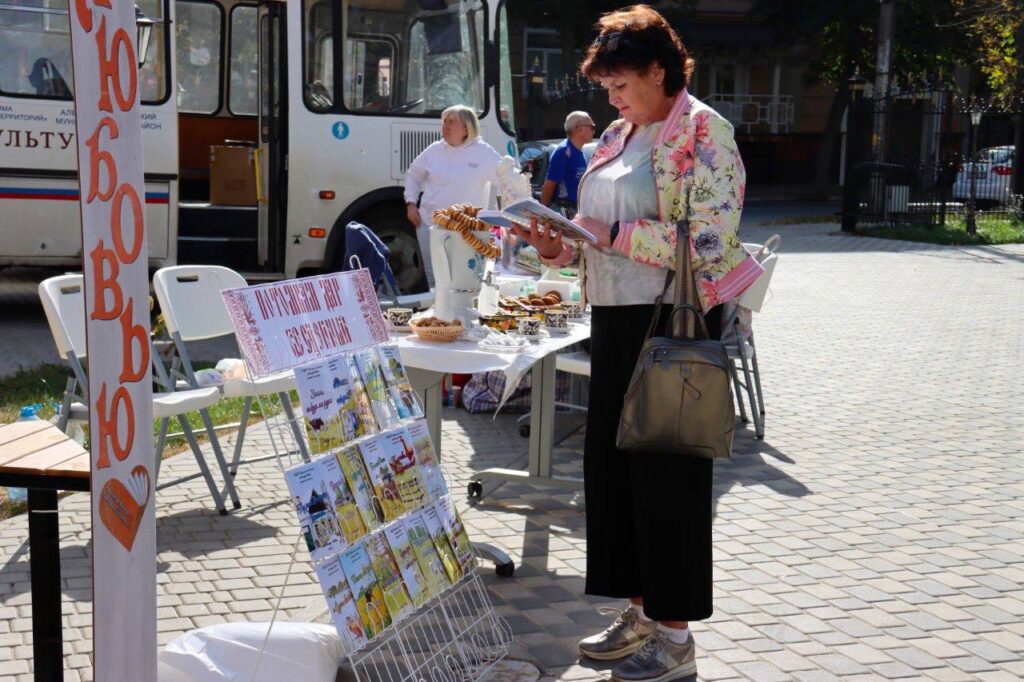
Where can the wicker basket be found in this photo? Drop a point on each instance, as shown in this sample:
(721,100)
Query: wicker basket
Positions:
(439,334)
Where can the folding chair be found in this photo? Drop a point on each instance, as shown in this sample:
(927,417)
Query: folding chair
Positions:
(743,350)
(194,310)
(64,304)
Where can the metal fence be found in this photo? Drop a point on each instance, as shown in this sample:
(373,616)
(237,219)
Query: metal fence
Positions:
(931,157)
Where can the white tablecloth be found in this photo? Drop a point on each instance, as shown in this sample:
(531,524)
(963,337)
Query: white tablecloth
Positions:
(465,356)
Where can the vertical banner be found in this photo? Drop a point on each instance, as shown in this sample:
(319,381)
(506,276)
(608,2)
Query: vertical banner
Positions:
(114,255)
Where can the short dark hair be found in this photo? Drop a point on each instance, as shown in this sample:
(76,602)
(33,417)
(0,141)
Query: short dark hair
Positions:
(645,38)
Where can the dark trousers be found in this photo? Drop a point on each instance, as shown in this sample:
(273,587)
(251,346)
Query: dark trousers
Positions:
(648,514)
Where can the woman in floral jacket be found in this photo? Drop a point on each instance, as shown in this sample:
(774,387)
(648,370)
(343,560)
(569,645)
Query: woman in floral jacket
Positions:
(669,161)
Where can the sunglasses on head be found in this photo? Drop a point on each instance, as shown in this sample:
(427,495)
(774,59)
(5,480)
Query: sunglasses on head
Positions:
(612,41)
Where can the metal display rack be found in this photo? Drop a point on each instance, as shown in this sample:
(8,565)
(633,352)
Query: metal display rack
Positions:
(456,636)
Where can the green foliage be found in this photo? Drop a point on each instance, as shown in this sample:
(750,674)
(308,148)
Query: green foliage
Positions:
(841,35)
(994,27)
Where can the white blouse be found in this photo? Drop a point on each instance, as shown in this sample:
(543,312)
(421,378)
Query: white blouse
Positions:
(623,189)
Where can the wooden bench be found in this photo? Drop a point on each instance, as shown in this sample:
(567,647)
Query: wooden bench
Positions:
(38,456)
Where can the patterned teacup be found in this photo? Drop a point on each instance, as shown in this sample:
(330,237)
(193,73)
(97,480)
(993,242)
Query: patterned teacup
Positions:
(529,326)
(398,317)
(556,319)
(572,309)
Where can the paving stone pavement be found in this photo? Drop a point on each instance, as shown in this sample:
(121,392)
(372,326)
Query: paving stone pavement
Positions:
(877,532)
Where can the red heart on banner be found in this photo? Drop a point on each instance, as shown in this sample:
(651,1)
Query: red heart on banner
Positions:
(120,507)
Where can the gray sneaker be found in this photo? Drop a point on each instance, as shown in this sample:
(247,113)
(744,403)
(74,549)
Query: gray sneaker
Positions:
(658,659)
(620,639)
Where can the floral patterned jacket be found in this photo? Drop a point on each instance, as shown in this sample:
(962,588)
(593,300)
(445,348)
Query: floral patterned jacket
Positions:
(699,178)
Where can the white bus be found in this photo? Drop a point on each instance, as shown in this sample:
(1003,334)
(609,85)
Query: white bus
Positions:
(337,97)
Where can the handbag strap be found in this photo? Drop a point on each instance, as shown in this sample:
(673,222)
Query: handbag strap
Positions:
(686,326)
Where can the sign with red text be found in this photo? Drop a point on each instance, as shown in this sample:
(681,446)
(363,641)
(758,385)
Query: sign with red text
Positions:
(116,289)
(286,324)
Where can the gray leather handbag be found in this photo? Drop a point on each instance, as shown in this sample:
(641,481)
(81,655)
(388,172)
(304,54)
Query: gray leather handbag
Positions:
(680,395)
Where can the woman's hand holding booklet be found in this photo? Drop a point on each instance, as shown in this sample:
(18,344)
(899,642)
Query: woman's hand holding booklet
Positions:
(521,212)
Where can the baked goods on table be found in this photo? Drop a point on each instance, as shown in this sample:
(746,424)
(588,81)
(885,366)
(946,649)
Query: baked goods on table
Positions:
(462,218)
(436,329)
(550,299)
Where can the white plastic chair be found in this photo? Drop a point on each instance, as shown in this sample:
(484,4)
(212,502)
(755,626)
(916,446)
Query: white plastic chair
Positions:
(64,304)
(743,351)
(193,310)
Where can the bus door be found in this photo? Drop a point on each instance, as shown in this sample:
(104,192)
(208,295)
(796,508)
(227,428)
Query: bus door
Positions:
(273,142)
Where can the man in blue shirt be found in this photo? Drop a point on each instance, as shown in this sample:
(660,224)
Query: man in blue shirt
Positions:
(567,162)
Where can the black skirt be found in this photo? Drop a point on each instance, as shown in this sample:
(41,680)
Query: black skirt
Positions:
(648,514)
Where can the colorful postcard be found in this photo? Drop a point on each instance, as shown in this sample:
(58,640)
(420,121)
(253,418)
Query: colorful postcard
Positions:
(346,506)
(434,573)
(403,397)
(315,510)
(442,544)
(415,584)
(426,459)
(373,612)
(360,399)
(456,532)
(397,446)
(368,363)
(351,462)
(341,604)
(329,404)
(382,478)
(389,575)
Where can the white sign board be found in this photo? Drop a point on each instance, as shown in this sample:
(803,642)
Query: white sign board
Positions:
(114,255)
(286,324)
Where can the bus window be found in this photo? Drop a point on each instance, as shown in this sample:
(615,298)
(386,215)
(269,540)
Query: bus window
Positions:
(199,38)
(446,57)
(319,55)
(399,57)
(153,74)
(368,74)
(506,112)
(35,50)
(242,61)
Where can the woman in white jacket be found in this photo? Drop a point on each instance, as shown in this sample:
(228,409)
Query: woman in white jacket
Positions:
(457,169)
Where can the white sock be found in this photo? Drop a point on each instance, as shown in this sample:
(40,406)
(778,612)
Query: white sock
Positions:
(639,609)
(676,635)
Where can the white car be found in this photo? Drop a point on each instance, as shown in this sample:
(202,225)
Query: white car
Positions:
(992,172)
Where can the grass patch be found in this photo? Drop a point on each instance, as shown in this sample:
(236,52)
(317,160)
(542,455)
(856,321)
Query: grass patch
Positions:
(991,230)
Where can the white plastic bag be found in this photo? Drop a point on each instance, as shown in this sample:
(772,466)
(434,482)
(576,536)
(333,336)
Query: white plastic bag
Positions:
(232,369)
(209,377)
(310,652)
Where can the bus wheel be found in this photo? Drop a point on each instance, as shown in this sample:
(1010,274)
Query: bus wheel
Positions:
(400,238)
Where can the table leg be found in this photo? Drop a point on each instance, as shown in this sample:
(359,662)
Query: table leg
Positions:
(427,384)
(542,435)
(44,556)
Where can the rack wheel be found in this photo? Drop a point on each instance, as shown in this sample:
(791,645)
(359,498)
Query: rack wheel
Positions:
(524,430)
(505,570)
(475,490)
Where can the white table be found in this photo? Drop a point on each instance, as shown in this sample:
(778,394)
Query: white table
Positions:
(427,363)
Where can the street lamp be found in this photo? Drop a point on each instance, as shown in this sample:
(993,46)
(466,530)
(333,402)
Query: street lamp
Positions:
(972,225)
(851,188)
(143,32)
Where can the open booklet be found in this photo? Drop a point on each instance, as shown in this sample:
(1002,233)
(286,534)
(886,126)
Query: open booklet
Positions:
(521,211)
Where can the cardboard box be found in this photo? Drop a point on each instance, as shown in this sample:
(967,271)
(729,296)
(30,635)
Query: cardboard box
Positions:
(232,176)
